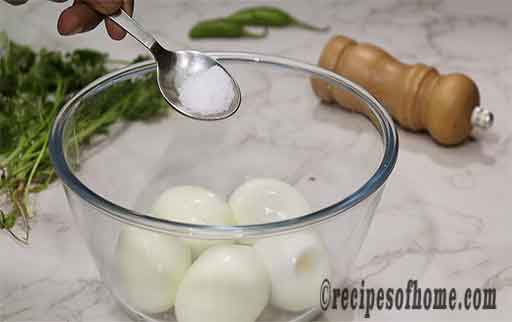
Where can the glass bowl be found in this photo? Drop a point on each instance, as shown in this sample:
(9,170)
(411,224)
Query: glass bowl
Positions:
(268,271)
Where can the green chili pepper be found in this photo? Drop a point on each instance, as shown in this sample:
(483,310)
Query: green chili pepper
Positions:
(269,16)
(222,28)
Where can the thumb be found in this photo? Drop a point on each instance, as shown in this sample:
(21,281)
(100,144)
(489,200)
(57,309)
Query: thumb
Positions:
(105,7)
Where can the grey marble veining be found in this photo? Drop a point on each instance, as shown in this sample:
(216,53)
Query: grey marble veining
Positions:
(444,218)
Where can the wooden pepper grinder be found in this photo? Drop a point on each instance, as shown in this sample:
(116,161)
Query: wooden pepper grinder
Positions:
(416,96)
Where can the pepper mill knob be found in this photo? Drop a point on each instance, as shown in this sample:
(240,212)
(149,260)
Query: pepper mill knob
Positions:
(482,118)
(416,96)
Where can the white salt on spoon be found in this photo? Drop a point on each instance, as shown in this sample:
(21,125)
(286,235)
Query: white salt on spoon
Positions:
(207,93)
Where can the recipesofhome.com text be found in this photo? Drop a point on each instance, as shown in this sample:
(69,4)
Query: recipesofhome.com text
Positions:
(412,297)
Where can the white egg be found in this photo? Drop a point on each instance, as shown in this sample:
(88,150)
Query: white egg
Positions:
(151,267)
(297,265)
(227,283)
(263,200)
(195,205)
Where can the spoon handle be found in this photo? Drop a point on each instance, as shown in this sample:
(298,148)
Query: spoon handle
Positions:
(133,28)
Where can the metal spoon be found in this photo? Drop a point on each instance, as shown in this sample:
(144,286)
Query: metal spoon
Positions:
(174,67)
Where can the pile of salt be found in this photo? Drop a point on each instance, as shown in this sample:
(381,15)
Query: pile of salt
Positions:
(207,93)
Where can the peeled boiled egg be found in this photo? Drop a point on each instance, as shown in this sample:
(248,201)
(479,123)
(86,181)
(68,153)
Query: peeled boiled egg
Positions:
(151,266)
(297,264)
(195,205)
(227,283)
(263,200)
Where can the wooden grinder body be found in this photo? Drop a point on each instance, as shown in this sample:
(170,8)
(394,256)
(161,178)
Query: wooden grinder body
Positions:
(416,96)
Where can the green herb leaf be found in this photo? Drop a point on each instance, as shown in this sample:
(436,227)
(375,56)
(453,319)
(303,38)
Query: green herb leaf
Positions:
(33,88)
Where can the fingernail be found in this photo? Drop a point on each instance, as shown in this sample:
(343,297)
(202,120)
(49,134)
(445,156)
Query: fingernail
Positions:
(78,29)
(69,32)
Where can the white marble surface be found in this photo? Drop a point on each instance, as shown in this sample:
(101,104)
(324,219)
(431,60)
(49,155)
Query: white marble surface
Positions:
(444,218)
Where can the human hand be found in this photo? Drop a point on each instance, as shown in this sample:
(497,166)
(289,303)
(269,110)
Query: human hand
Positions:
(84,15)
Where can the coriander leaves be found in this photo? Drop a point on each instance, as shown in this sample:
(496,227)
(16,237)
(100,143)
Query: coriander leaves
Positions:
(34,86)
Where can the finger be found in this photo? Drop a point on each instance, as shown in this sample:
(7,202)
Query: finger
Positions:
(105,7)
(77,18)
(114,31)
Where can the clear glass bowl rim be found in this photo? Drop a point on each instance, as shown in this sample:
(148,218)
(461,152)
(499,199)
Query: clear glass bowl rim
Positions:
(388,133)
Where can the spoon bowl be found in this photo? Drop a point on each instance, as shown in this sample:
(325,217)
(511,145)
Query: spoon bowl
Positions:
(174,67)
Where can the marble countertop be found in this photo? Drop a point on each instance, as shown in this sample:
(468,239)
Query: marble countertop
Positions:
(447,225)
